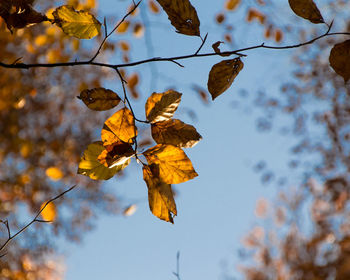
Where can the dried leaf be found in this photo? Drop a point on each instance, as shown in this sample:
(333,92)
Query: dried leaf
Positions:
(222,75)
(215,47)
(182,15)
(174,166)
(79,24)
(339,59)
(175,132)
(306,9)
(99,99)
(90,165)
(162,106)
(160,196)
(54,173)
(116,154)
(49,213)
(119,127)
(23,18)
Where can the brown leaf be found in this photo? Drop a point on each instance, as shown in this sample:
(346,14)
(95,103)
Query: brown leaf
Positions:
(182,15)
(339,59)
(215,47)
(231,5)
(162,106)
(175,132)
(306,9)
(119,127)
(160,196)
(99,99)
(222,75)
(174,166)
(25,17)
(116,154)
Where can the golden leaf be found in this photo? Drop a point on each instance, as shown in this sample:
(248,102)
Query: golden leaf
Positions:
(174,166)
(231,5)
(90,165)
(54,173)
(162,106)
(175,132)
(222,75)
(182,15)
(79,24)
(306,9)
(160,196)
(119,127)
(49,213)
(116,154)
(339,59)
(99,99)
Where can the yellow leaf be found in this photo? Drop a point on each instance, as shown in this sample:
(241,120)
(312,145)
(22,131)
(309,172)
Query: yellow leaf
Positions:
(99,99)
(49,212)
(54,173)
(231,5)
(90,165)
(174,166)
(306,9)
(79,24)
(182,15)
(339,59)
(162,106)
(119,127)
(222,75)
(160,196)
(175,132)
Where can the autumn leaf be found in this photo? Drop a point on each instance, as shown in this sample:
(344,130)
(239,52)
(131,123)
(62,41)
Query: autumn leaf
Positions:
(306,9)
(175,132)
(231,5)
(182,15)
(162,106)
(54,173)
(174,166)
(160,196)
(91,166)
(222,75)
(116,154)
(49,212)
(339,59)
(119,127)
(216,48)
(99,99)
(79,24)
(23,18)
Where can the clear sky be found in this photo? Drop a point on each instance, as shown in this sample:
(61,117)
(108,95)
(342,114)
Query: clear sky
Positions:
(216,209)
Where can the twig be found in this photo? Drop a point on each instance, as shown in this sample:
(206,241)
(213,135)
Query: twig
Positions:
(34,220)
(203,42)
(177,273)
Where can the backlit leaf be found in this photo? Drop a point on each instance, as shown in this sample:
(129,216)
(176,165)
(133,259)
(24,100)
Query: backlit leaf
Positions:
(90,165)
(160,196)
(222,75)
(119,127)
(54,173)
(339,59)
(162,106)
(99,99)
(79,24)
(182,15)
(175,132)
(174,166)
(49,213)
(116,154)
(306,9)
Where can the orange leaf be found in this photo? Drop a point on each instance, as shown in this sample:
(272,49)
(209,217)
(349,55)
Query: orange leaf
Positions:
(49,212)
(153,6)
(306,9)
(54,173)
(339,59)
(231,5)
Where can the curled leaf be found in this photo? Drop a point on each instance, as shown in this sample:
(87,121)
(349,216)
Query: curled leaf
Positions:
(215,47)
(79,24)
(306,9)
(339,59)
(160,196)
(99,99)
(174,166)
(182,15)
(162,106)
(222,75)
(175,132)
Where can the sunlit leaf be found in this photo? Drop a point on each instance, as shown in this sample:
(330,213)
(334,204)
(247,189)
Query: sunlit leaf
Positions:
(99,99)
(160,196)
(49,213)
(306,9)
(175,132)
(90,165)
(116,154)
(123,27)
(231,5)
(119,127)
(222,75)
(182,15)
(79,24)
(162,106)
(174,166)
(54,173)
(339,59)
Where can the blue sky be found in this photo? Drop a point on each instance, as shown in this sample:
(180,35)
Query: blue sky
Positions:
(216,209)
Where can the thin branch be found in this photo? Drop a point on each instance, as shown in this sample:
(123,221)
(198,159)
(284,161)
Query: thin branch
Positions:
(34,220)
(177,273)
(203,42)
